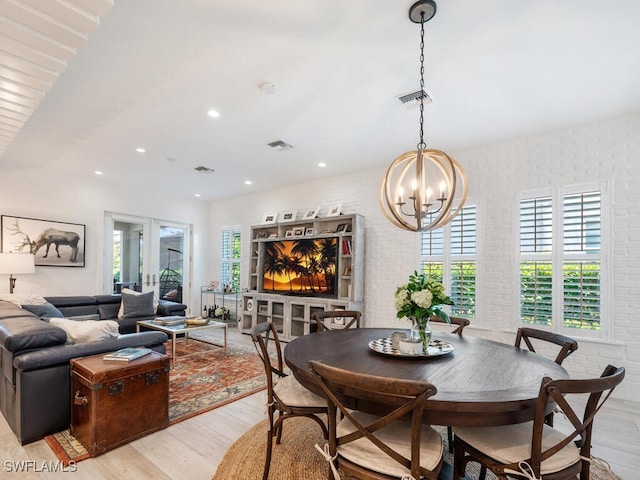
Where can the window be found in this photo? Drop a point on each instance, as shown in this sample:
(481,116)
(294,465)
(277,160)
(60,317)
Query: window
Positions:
(448,255)
(230,258)
(561,259)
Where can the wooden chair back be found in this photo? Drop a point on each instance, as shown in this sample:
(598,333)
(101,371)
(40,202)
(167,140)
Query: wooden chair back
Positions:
(409,398)
(458,321)
(561,392)
(568,345)
(262,334)
(351,318)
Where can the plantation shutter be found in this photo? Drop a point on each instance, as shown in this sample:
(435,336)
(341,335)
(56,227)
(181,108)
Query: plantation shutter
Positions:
(536,236)
(581,265)
(463,263)
(230,258)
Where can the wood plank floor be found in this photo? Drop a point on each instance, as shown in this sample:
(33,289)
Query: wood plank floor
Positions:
(192,449)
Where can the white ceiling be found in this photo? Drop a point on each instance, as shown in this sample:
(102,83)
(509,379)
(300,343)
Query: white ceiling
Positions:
(149,73)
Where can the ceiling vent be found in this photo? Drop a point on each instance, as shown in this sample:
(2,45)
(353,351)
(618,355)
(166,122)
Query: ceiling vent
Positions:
(412,100)
(203,169)
(279,145)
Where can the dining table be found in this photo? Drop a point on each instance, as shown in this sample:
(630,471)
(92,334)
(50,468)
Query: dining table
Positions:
(479,382)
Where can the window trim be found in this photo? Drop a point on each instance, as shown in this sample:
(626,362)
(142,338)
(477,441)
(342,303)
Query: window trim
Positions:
(558,257)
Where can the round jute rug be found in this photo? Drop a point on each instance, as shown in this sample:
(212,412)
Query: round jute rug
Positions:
(297,459)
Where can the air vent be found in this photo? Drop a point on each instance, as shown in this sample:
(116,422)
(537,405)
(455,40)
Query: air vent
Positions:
(203,169)
(411,100)
(279,145)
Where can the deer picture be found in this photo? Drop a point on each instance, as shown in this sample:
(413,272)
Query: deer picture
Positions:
(47,237)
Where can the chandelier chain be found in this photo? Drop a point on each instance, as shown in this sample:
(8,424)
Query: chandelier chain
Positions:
(422,145)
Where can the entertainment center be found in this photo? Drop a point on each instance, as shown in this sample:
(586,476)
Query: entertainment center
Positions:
(298,268)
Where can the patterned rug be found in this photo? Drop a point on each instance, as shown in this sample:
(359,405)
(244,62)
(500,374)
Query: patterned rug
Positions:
(203,378)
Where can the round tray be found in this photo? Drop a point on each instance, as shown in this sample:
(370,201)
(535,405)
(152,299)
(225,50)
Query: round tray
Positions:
(436,348)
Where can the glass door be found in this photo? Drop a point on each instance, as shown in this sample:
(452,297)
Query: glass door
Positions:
(147,255)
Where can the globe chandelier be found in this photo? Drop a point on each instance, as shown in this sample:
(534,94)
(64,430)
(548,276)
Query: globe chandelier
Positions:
(423,189)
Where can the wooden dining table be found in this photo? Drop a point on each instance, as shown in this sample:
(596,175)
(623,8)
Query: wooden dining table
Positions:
(480,383)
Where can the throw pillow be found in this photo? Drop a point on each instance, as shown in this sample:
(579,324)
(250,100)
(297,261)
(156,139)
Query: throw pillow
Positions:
(84,318)
(133,292)
(44,311)
(19,300)
(140,305)
(87,331)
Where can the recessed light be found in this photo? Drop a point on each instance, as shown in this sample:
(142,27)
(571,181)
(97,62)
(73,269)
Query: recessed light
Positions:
(196,195)
(248,182)
(322,164)
(98,172)
(213,113)
(141,150)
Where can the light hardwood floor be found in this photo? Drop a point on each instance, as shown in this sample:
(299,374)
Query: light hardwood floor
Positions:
(192,450)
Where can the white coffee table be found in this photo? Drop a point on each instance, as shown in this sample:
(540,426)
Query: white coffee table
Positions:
(174,330)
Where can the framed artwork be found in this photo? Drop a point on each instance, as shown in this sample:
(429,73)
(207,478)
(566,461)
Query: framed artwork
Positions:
(334,210)
(288,216)
(342,227)
(249,304)
(54,244)
(263,308)
(311,214)
(288,233)
(308,232)
(269,218)
(298,231)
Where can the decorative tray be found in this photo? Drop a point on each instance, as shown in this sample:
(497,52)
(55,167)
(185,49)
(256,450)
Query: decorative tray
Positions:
(436,348)
(196,321)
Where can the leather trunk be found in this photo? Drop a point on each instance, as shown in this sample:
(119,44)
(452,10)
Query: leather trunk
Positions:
(116,402)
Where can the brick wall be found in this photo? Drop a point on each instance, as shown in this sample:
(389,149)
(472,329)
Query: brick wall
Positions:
(608,150)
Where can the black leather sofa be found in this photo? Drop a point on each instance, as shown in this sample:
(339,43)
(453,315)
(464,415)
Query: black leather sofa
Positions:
(35,377)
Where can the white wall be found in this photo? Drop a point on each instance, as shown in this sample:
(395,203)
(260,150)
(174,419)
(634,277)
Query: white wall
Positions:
(609,150)
(35,193)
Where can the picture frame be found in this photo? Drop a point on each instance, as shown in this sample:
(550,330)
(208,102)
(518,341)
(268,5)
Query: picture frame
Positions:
(311,214)
(335,210)
(288,233)
(308,232)
(263,309)
(269,218)
(298,231)
(341,228)
(37,236)
(249,304)
(287,216)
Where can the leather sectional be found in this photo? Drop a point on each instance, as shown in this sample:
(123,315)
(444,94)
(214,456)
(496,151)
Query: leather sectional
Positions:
(35,386)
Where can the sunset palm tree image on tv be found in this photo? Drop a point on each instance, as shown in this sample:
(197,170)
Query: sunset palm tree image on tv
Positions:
(301,267)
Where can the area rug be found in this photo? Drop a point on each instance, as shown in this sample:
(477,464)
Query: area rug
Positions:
(203,378)
(297,459)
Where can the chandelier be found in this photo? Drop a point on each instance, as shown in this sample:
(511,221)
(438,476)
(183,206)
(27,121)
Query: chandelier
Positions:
(423,189)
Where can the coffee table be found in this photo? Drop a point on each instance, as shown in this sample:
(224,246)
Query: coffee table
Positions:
(182,328)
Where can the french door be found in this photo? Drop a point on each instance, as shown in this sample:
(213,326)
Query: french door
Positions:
(146,254)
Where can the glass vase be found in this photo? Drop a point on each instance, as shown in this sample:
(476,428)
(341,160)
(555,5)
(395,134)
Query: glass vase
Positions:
(421,332)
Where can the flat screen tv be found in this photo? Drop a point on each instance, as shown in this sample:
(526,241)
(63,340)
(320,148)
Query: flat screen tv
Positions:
(305,266)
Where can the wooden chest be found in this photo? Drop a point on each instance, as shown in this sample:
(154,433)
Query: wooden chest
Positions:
(116,402)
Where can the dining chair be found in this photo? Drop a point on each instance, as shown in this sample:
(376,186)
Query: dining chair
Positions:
(286,398)
(327,320)
(458,321)
(568,345)
(368,447)
(535,449)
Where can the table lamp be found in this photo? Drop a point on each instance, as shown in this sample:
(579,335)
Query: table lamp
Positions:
(16,263)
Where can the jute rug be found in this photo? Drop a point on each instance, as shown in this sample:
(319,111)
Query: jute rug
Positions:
(297,459)
(202,379)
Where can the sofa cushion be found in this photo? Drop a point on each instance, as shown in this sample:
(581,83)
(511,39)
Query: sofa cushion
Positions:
(88,330)
(137,305)
(29,332)
(44,311)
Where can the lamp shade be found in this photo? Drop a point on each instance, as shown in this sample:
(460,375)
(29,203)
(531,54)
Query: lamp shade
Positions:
(17,263)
